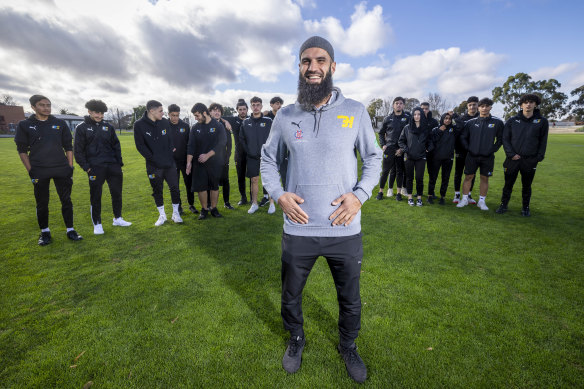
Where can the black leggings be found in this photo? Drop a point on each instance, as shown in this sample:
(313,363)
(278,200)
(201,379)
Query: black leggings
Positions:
(433,170)
(419,166)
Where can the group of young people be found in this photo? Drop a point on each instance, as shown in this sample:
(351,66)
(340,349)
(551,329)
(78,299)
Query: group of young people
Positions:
(410,141)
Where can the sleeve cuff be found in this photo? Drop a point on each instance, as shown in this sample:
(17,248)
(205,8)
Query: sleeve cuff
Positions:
(361,195)
(276,195)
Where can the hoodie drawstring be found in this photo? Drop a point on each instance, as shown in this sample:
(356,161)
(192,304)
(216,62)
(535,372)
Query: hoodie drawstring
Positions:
(316,127)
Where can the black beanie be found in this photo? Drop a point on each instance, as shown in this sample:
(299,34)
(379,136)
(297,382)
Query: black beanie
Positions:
(321,43)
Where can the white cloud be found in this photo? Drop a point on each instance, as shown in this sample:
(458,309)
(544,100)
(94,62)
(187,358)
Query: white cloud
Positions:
(367,33)
(553,71)
(344,71)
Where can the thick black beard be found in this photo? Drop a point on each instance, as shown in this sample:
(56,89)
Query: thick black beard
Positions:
(311,94)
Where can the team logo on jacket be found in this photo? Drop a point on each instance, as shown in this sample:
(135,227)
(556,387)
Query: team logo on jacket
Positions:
(347,121)
(403,119)
(537,120)
(56,127)
(492,125)
(450,130)
(298,134)
(152,176)
(182,130)
(163,132)
(212,129)
(262,124)
(35,180)
(91,178)
(104,128)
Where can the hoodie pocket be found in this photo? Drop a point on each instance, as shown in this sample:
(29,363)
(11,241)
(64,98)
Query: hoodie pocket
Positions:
(317,202)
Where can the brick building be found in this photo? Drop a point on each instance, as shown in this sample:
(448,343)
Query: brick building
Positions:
(10,115)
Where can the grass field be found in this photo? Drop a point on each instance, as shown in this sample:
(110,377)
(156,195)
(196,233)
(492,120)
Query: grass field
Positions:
(452,297)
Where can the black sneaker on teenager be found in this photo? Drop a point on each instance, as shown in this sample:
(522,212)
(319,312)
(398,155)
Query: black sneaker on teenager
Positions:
(293,355)
(229,206)
(73,235)
(430,199)
(355,365)
(215,212)
(398,197)
(264,201)
(193,209)
(525,212)
(379,196)
(502,209)
(441,201)
(45,238)
(203,214)
(243,201)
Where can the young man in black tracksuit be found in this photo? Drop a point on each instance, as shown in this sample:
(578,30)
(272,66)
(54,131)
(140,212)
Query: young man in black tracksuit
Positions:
(482,137)
(216,111)
(276,103)
(239,155)
(524,141)
(44,146)
(432,123)
(205,158)
(414,142)
(153,140)
(253,134)
(180,139)
(472,111)
(443,139)
(393,159)
(98,152)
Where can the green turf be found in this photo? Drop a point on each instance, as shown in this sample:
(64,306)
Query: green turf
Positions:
(451,297)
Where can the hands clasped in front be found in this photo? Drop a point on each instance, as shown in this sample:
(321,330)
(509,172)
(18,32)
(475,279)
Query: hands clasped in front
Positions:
(344,215)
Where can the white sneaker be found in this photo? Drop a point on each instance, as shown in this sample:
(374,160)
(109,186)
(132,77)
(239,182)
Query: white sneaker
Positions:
(176,217)
(121,222)
(481,204)
(272,208)
(98,229)
(254,207)
(389,192)
(160,221)
(463,202)
(404,192)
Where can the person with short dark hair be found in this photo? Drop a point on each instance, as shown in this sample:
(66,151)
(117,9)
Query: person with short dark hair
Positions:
(324,132)
(239,155)
(393,159)
(44,144)
(180,139)
(460,153)
(524,141)
(482,137)
(205,158)
(153,139)
(276,103)
(216,111)
(415,144)
(253,134)
(98,152)
(443,140)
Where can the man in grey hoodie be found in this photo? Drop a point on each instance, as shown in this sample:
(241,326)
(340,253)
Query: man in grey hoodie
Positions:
(323,196)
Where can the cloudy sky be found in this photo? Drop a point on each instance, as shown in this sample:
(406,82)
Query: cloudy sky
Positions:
(185,51)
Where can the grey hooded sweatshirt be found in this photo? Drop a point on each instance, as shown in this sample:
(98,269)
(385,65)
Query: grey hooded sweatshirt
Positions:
(322,147)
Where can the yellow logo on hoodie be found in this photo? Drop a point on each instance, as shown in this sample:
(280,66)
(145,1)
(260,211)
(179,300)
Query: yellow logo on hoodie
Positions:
(347,121)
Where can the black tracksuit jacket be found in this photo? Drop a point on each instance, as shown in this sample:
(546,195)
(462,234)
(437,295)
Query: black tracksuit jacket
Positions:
(526,137)
(236,122)
(44,142)
(391,129)
(253,134)
(415,142)
(204,138)
(482,137)
(96,144)
(444,141)
(154,141)
(180,139)
(460,122)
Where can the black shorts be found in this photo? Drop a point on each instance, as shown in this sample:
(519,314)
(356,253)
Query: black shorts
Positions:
(204,178)
(253,167)
(486,164)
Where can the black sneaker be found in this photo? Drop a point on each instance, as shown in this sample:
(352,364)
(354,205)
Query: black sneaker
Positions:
(264,201)
(73,235)
(203,214)
(525,212)
(215,212)
(228,206)
(430,199)
(355,365)
(45,238)
(243,201)
(379,196)
(293,355)
(441,201)
(193,209)
(502,209)
(398,197)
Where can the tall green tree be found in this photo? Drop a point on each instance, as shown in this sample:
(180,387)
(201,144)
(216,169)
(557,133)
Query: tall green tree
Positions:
(577,106)
(553,101)
(411,103)
(460,108)
(138,112)
(229,111)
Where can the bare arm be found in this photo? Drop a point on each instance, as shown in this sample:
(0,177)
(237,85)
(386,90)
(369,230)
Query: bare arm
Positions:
(25,161)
